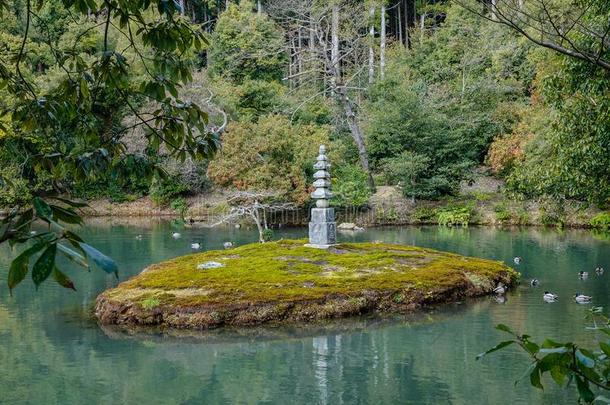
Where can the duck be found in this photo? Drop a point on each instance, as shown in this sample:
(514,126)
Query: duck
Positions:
(534,282)
(582,299)
(599,271)
(517,260)
(583,274)
(549,296)
(33,232)
(138,237)
(196,245)
(500,289)
(227,245)
(176,235)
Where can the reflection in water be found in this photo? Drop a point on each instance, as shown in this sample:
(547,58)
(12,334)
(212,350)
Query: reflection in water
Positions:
(53,352)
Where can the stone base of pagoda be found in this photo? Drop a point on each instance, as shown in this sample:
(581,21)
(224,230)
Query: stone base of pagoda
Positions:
(322,228)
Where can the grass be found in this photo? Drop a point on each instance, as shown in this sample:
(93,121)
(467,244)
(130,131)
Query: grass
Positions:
(285,271)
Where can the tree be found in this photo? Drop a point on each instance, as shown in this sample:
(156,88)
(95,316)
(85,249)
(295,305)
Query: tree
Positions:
(337,55)
(69,129)
(269,155)
(578,29)
(246,45)
(255,206)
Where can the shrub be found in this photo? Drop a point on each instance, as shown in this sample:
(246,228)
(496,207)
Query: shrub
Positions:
(502,213)
(450,216)
(482,196)
(550,218)
(180,206)
(423,214)
(267,235)
(350,187)
(601,221)
(162,192)
(523,217)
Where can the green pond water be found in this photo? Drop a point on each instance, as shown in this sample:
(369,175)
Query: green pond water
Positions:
(52,351)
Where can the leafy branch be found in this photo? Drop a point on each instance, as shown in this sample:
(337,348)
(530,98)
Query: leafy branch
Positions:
(565,362)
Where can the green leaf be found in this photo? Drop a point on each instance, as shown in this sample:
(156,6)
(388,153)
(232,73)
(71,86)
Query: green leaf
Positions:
(72,203)
(605,348)
(583,390)
(531,347)
(601,398)
(585,360)
(73,255)
(43,210)
(19,266)
(66,215)
(535,378)
(62,279)
(497,347)
(558,375)
(100,259)
(44,265)
(504,328)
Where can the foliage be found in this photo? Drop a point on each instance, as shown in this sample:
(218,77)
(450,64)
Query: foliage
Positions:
(601,221)
(566,155)
(407,170)
(271,154)
(62,110)
(163,191)
(459,215)
(502,213)
(567,363)
(246,45)
(180,206)
(423,214)
(350,188)
(433,117)
(267,235)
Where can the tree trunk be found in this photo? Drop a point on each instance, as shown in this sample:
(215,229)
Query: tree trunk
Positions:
(399,20)
(357,135)
(181,5)
(334,53)
(259,7)
(407,34)
(493,10)
(299,54)
(382,44)
(372,40)
(256,217)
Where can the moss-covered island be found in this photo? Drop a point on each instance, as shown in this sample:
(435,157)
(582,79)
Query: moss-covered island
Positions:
(285,281)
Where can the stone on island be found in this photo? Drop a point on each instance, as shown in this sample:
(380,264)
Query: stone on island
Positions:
(322,227)
(285,281)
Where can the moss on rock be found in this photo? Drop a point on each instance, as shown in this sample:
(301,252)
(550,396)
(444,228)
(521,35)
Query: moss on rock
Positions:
(286,281)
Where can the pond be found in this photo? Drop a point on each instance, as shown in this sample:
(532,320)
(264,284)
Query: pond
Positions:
(52,351)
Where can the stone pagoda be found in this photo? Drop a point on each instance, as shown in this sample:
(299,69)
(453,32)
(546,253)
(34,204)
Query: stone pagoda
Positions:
(322,227)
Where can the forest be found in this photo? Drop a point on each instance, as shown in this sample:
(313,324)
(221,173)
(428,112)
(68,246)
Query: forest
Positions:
(417,94)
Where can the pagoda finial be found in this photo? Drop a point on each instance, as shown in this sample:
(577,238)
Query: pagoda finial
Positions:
(322,193)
